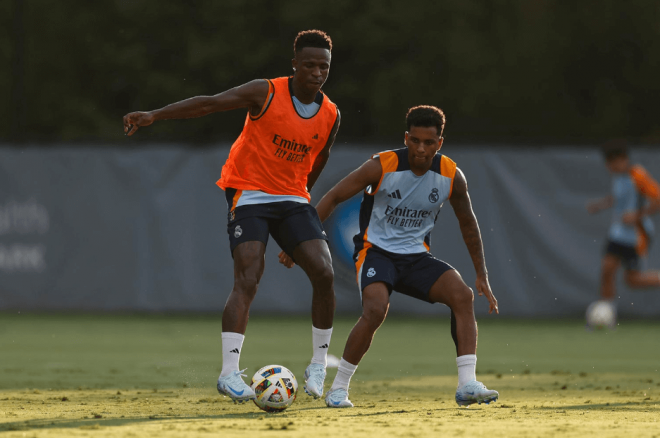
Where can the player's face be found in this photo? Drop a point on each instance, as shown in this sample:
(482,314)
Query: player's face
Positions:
(618,165)
(423,143)
(312,65)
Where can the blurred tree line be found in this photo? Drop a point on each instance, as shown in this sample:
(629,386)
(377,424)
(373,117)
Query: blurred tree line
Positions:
(505,71)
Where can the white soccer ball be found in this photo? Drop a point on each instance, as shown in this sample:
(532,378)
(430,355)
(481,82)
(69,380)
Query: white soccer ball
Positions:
(601,314)
(275,388)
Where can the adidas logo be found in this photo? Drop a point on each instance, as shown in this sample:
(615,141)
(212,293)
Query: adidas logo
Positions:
(316,137)
(396,194)
(324,346)
(235,350)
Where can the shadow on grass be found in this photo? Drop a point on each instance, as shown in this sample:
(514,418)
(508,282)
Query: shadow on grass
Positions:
(630,406)
(98,423)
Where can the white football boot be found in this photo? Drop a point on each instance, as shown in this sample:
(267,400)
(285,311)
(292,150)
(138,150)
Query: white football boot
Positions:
(314,380)
(475,392)
(338,398)
(235,388)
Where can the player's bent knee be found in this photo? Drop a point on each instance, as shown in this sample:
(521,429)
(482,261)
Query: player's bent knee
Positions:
(632,278)
(462,298)
(324,276)
(374,314)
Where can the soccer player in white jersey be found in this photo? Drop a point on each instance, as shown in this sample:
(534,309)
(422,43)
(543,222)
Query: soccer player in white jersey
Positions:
(403,192)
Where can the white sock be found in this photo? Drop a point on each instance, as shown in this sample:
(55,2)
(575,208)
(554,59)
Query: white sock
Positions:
(231,352)
(467,368)
(344,374)
(321,343)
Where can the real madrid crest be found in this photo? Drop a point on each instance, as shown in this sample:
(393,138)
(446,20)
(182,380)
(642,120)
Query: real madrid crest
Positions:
(434,196)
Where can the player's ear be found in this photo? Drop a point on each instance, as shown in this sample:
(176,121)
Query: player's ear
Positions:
(405,138)
(294,63)
(440,142)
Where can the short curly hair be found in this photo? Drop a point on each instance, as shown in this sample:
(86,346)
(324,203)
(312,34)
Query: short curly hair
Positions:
(426,116)
(312,38)
(615,149)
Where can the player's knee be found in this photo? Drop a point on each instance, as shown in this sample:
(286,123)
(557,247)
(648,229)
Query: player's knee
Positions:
(463,297)
(324,276)
(631,278)
(374,314)
(246,284)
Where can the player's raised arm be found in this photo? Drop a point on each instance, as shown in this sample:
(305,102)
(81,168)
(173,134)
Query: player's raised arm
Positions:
(251,95)
(322,158)
(460,201)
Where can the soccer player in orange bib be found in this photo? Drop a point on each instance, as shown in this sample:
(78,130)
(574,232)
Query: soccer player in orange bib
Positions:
(404,190)
(272,166)
(635,196)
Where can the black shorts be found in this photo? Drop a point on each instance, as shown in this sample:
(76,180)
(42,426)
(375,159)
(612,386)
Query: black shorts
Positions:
(409,274)
(628,255)
(289,222)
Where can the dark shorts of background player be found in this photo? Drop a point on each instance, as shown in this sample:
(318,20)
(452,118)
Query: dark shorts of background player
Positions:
(290,223)
(409,274)
(628,255)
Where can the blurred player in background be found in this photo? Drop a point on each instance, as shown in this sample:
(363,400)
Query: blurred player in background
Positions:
(272,166)
(635,196)
(404,190)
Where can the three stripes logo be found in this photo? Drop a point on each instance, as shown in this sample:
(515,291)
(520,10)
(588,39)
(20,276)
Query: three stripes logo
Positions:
(324,346)
(235,350)
(395,194)
(316,137)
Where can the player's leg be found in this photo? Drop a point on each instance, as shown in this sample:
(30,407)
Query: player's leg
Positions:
(642,279)
(248,236)
(300,234)
(313,256)
(375,304)
(248,270)
(608,268)
(450,289)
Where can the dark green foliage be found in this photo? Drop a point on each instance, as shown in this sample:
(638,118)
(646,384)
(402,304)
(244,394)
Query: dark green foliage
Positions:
(503,71)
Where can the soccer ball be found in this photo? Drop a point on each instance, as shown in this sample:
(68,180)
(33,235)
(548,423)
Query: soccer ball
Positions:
(601,314)
(275,388)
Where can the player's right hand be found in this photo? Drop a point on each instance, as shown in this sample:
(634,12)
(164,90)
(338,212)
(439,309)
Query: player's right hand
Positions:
(483,288)
(134,120)
(286,260)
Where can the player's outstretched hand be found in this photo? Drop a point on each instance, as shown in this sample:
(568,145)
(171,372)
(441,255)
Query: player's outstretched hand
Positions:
(483,287)
(286,260)
(132,121)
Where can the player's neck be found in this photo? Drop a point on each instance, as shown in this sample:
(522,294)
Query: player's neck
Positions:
(304,96)
(421,170)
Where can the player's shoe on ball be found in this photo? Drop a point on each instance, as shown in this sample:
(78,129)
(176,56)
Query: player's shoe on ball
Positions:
(338,398)
(475,392)
(314,379)
(233,386)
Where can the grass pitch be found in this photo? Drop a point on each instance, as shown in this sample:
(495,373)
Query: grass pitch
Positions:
(81,375)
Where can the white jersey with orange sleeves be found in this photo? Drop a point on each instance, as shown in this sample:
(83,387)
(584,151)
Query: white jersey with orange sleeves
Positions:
(399,213)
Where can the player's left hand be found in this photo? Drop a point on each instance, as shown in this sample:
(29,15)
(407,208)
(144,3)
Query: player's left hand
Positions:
(483,287)
(286,260)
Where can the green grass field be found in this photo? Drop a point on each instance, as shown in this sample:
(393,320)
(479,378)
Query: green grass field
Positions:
(137,375)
